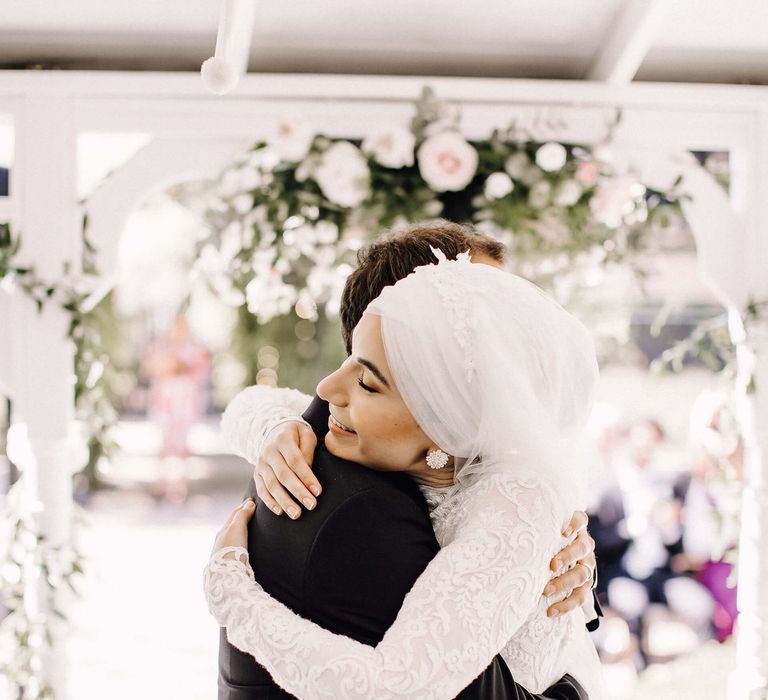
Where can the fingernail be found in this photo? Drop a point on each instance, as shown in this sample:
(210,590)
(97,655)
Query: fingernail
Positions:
(277,511)
(558,563)
(315,490)
(308,503)
(293,513)
(568,530)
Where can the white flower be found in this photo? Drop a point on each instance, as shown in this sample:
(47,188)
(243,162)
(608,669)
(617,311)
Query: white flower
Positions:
(343,175)
(292,139)
(614,198)
(326,232)
(238,180)
(498,185)
(392,149)
(567,193)
(538,197)
(242,203)
(306,169)
(447,162)
(268,296)
(551,156)
(517,164)
(433,207)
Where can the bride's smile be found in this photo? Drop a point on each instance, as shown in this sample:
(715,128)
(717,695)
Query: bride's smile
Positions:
(338,427)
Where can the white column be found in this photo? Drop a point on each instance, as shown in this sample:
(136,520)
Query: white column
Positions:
(44,396)
(749,680)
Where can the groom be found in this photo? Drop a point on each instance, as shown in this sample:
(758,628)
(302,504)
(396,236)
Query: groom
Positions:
(348,564)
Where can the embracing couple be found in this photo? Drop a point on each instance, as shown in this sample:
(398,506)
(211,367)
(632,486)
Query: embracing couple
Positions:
(438,554)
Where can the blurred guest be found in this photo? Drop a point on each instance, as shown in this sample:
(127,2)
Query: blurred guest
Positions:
(178,368)
(637,526)
(712,502)
(606,515)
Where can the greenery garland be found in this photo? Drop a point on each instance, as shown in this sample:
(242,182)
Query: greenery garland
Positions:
(25,555)
(284,221)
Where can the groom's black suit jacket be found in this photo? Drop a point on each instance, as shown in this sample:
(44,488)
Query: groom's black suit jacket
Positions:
(347,566)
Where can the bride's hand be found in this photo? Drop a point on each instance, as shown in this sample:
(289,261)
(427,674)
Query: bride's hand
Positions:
(235,530)
(283,467)
(577,560)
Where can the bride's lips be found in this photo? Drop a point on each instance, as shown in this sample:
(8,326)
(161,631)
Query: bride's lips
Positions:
(338,427)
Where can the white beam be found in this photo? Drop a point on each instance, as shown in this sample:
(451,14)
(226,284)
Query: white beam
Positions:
(629,39)
(390,89)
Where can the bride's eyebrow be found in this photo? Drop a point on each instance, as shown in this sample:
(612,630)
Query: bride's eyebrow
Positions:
(376,372)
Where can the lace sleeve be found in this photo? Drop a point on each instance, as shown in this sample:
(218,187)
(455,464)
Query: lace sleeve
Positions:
(459,614)
(248,416)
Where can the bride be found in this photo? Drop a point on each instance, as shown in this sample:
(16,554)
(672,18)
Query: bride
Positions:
(480,374)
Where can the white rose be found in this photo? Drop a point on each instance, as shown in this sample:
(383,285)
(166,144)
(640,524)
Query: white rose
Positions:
(393,148)
(551,156)
(498,185)
(447,162)
(538,197)
(292,139)
(567,193)
(343,175)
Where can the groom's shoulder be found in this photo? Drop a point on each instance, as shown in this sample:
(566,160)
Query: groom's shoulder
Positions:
(352,495)
(342,479)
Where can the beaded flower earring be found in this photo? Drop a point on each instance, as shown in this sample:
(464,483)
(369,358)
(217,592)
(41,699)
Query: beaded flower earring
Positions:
(437,459)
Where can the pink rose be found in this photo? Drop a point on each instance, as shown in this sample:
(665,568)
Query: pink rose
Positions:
(587,173)
(447,162)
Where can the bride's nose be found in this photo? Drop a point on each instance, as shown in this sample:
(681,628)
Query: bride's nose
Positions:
(332,389)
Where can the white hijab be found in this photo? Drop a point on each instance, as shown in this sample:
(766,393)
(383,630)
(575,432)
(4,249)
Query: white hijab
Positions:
(493,370)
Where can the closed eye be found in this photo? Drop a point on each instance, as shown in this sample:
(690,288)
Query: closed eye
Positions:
(367,388)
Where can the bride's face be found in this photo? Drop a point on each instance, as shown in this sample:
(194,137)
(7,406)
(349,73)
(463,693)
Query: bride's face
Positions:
(370,423)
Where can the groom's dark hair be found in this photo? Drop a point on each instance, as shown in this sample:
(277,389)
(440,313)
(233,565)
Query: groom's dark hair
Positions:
(395,254)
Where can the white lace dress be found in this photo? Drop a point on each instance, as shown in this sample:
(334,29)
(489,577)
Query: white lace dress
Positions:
(481,595)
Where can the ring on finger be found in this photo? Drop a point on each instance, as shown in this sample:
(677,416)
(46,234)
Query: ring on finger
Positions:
(590,572)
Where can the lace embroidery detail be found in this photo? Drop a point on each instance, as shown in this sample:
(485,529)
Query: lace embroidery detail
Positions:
(434,496)
(456,300)
(479,596)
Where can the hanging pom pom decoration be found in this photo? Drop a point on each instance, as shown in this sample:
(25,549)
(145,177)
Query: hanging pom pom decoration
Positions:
(222,72)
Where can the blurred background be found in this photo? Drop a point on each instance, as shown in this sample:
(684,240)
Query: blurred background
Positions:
(212,236)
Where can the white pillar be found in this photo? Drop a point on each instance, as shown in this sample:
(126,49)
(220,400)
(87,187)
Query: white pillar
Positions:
(749,680)
(44,396)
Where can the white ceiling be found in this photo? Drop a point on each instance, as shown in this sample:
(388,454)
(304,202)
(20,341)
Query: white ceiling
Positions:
(693,40)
